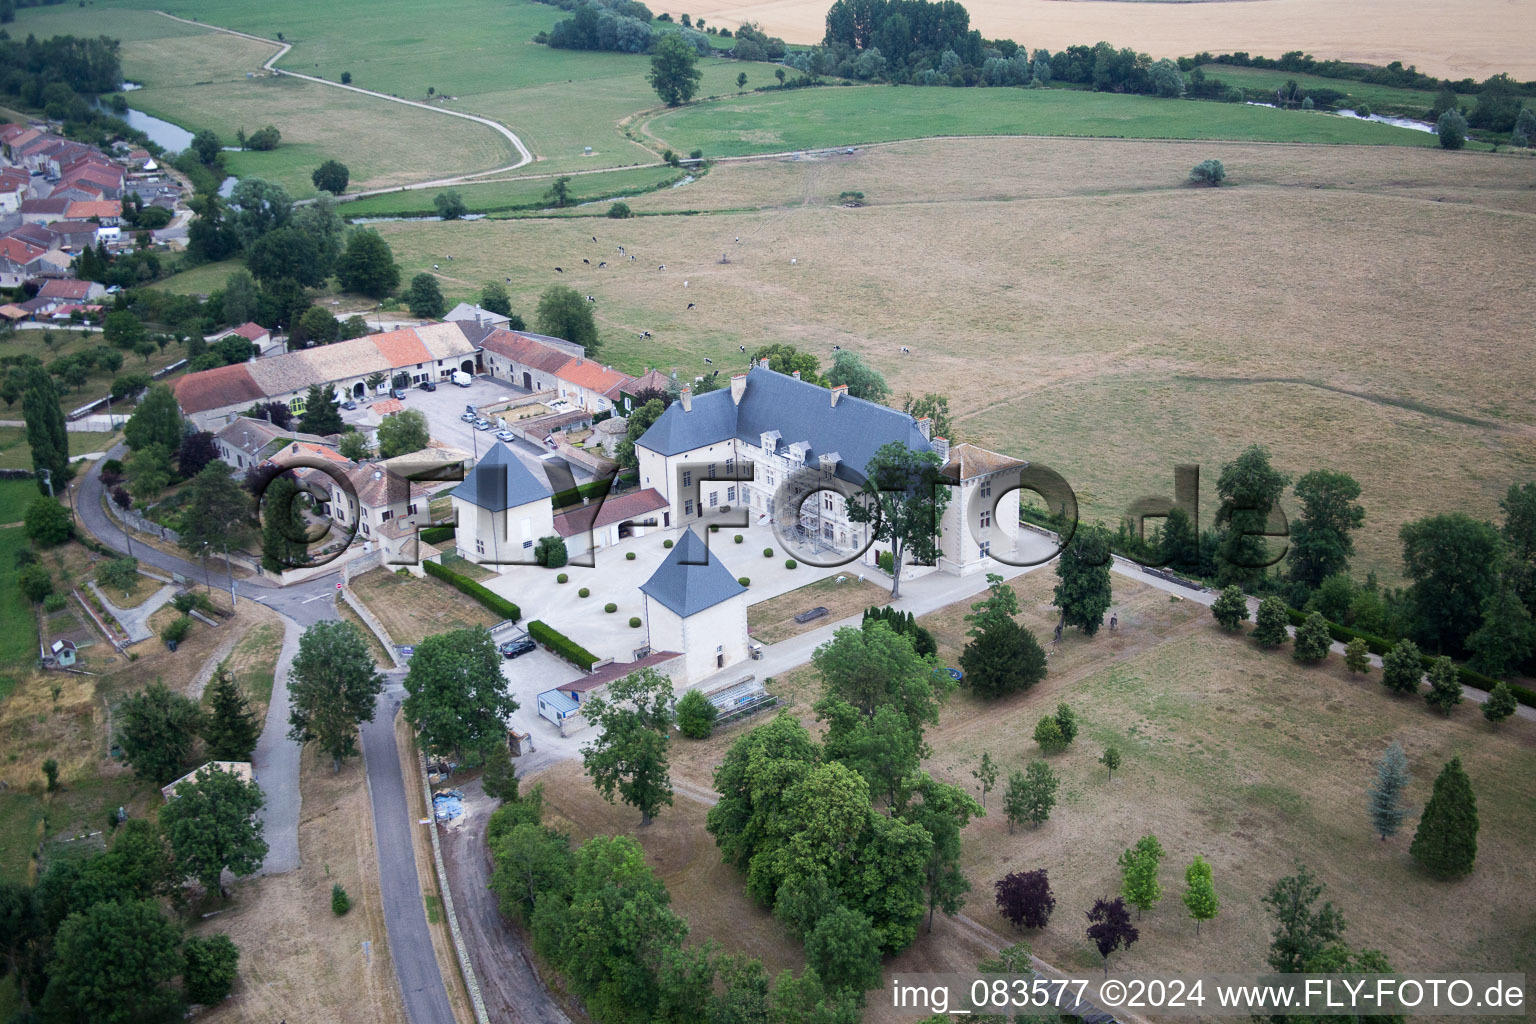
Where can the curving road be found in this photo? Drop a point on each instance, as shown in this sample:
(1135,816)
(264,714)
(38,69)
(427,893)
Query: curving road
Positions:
(524,156)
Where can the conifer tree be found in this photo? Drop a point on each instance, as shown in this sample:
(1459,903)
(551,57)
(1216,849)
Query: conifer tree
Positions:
(1392,778)
(1446,841)
(230,730)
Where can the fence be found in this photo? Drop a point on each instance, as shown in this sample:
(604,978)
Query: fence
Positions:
(131,519)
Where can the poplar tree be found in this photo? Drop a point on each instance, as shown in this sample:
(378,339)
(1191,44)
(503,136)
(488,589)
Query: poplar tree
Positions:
(1200,893)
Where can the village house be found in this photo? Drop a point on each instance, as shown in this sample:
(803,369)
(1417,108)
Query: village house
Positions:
(59,289)
(528,360)
(247,442)
(252,332)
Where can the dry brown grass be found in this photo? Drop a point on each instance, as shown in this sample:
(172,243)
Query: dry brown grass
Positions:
(773,620)
(298,961)
(1070,297)
(381,657)
(254,662)
(1473,37)
(412,609)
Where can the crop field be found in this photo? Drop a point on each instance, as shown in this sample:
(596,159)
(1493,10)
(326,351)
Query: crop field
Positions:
(1450,39)
(800,119)
(1082,307)
(1223,744)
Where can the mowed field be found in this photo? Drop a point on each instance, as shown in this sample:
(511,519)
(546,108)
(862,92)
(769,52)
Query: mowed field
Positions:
(1231,752)
(197,78)
(1451,39)
(1083,308)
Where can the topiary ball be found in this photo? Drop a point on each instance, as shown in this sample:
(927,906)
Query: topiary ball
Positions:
(610,607)
(666,543)
(562,578)
(767,552)
(634,622)
(790,563)
(743,581)
(739,538)
(629,556)
(714,529)
(583,592)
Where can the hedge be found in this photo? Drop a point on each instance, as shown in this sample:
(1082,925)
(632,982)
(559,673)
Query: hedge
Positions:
(464,585)
(562,645)
(592,489)
(436,534)
(1379,647)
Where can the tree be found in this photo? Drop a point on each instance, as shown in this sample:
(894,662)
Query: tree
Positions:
(1302,928)
(530,860)
(1199,892)
(331,177)
(332,686)
(402,433)
(985,775)
(620,211)
(424,297)
(156,729)
(1507,636)
(559,194)
(1031,795)
(1501,702)
(1392,780)
(1110,759)
(1250,490)
(1402,667)
(1110,928)
(1444,691)
(499,779)
(157,420)
(258,207)
(35,582)
(321,415)
(449,205)
(1138,874)
(1066,722)
(1454,562)
(494,297)
(367,265)
(933,407)
(848,368)
(942,811)
(674,70)
(741,80)
(903,499)
(630,755)
(149,472)
(873,667)
(230,730)
(1269,625)
(47,522)
(550,552)
(1048,735)
(1025,899)
(51,772)
(197,450)
(207,146)
(284,542)
(844,951)
(46,434)
(355,446)
(1231,608)
(1312,639)
(695,715)
(263,139)
(1357,656)
(317,326)
(217,513)
(1208,172)
(114,963)
(1321,542)
(119,574)
(122,330)
(1446,840)
(211,967)
(636,425)
(1525,128)
(564,313)
(1452,129)
(1006,658)
(1084,593)
(456,696)
(786,359)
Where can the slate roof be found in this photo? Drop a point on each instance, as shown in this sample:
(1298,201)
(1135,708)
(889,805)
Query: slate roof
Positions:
(802,412)
(615,670)
(691,578)
(500,481)
(967,461)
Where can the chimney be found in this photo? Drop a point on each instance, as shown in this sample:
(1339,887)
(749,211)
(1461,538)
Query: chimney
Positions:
(687,398)
(925,427)
(838,392)
(941,445)
(795,374)
(738,387)
(763,362)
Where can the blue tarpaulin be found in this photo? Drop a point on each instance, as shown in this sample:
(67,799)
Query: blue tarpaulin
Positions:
(448,804)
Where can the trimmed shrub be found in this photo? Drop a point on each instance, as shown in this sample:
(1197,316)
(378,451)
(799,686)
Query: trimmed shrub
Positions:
(340,901)
(562,578)
(562,645)
(550,552)
(790,563)
(744,581)
(695,715)
(436,534)
(583,592)
(666,543)
(177,631)
(629,556)
(610,607)
(714,528)
(739,538)
(886,562)
(767,552)
(1208,172)
(634,622)
(468,587)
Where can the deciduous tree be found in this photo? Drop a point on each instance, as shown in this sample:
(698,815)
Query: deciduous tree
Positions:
(1199,892)
(1269,625)
(1312,639)
(425,298)
(903,499)
(212,965)
(1501,702)
(1138,874)
(156,730)
(1402,667)
(157,420)
(1507,636)
(1444,691)
(1025,899)
(1031,795)
(1250,490)
(564,313)
(1231,609)
(114,963)
(1357,656)
(862,381)
(985,775)
(1302,928)
(1110,759)
(367,265)
(47,522)
(449,205)
(1454,562)
(674,70)
(695,715)
(942,811)
(1110,927)
(456,696)
(332,686)
(402,433)
(630,756)
(212,826)
(331,176)
(1321,542)
(1084,592)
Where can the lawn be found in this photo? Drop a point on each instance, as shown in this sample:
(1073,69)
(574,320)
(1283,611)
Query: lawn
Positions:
(18,645)
(204,279)
(412,608)
(15,453)
(771,122)
(519,193)
(253,662)
(773,620)
(48,345)
(1257,81)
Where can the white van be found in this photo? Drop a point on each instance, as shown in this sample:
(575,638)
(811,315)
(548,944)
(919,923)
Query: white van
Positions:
(462,379)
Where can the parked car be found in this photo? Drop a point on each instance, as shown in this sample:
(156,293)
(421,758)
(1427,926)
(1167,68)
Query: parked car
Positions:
(483,424)
(469,417)
(399,393)
(506,435)
(427,385)
(517,648)
(349,404)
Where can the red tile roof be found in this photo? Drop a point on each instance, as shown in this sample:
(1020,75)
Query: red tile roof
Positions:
(387,406)
(522,349)
(592,375)
(84,209)
(613,510)
(251,331)
(213,389)
(19,251)
(401,347)
(54,206)
(64,288)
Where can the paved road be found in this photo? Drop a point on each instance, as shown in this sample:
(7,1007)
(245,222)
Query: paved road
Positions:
(410,943)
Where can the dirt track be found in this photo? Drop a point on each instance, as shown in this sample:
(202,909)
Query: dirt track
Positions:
(508,981)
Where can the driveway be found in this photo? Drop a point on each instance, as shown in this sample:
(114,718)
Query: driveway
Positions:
(527,677)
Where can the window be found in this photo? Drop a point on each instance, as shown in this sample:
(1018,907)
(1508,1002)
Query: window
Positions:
(711,470)
(714,498)
(730,467)
(746,495)
(688,507)
(826,531)
(986,489)
(687,478)
(827,503)
(730,495)
(770,504)
(479,546)
(527,543)
(986,518)
(985,547)
(386,516)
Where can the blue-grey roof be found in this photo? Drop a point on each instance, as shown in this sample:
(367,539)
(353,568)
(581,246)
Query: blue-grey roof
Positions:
(691,578)
(854,429)
(500,481)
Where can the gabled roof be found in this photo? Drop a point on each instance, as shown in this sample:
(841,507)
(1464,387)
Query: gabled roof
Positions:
(37,234)
(470,311)
(401,347)
(500,481)
(19,250)
(213,389)
(591,375)
(802,412)
(609,511)
(651,380)
(84,209)
(37,206)
(250,331)
(64,288)
(691,578)
(525,350)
